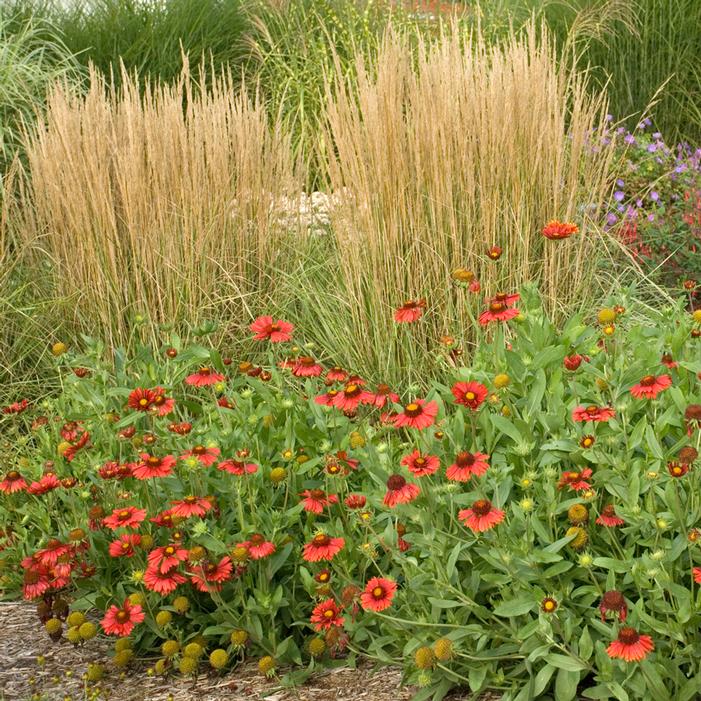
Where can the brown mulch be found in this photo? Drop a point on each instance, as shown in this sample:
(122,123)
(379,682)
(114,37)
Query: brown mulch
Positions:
(60,677)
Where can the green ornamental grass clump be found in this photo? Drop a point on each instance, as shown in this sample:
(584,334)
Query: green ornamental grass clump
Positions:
(530,525)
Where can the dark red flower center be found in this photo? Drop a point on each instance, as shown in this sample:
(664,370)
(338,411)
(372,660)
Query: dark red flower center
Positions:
(170,550)
(496,307)
(205,371)
(321,539)
(306,361)
(159,400)
(210,568)
(592,410)
(13,475)
(609,511)
(383,389)
(274,328)
(378,592)
(121,616)
(199,450)
(395,483)
(693,412)
(153,461)
(413,409)
(352,390)
(465,459)
(613,600)
(316,493)
(482,507)
(420,462)
(257,539)
(628,636)
(648,381)
(124,515)
(500,297)
(190,500)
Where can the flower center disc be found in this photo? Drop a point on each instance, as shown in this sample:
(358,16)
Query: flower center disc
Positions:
(628,636)
(482,507)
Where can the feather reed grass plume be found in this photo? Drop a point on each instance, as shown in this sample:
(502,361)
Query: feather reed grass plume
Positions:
(159,202)
(452,149)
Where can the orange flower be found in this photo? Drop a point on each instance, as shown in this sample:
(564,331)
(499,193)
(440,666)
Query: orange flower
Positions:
(482,516)
(556,230)
(650,386)
(630,646)
(378,594)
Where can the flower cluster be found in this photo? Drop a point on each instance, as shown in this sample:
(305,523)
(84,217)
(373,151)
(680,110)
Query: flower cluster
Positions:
(544,499)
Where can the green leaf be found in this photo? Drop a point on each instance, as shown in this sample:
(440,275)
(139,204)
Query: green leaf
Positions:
(565,662)
(542,679)
(444,603)
(558,568)
(654,681)
(515,607)
(653,444)
(452,559)
(477,675)
(586,646)
(566,685)
(503,425)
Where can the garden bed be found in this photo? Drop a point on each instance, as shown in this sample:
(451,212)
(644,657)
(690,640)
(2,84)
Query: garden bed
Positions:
(23,641)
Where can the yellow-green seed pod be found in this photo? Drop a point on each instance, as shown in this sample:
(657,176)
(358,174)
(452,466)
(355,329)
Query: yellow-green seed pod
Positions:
(193,650)
(87,630)
(424,657)
(218,658)
(443,649)
(75,619)
(181,604)
(170,648)
(163,618)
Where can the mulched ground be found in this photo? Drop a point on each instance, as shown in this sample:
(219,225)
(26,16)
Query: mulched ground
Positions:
(22,641)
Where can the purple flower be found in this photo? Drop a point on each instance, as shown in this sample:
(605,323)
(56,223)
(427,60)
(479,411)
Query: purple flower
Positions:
(611,218)
(656,135)
(620,207)
(619,195)
(620,182)
(654,196)
(651,217)
(652,148)
(629,139)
